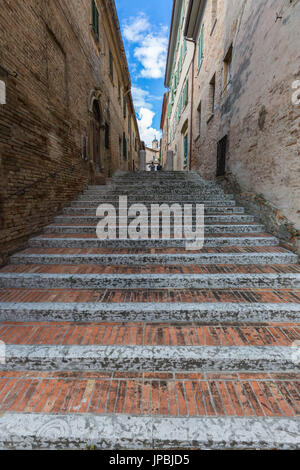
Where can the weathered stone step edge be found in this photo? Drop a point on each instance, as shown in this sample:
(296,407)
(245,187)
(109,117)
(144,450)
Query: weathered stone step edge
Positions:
(217,313)
(208,210)
(96,243)
(145,358)
(212,228)
(148,281)
(138,259)
(128,432)
(157,199)
(208,219)
(95,203)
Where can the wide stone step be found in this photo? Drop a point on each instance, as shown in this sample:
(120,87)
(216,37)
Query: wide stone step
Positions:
(211,313)
(145,358)
(89,241)
(218,219)
(85,201)
(161,192)
(223,210)
(74,431)
(155,197)
(149,277)
(146,259)
(208,228)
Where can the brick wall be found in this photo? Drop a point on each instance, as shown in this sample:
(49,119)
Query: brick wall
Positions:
(49,43)
(255,110)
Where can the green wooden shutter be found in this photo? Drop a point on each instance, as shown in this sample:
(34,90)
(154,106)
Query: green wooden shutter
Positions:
(201,47)
(111,65)
(186,149)
(124,146)
(124,107)
(169,110)
(184,96)
(181,57)
(95,19)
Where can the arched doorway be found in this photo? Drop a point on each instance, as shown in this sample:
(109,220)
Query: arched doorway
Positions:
(96,131)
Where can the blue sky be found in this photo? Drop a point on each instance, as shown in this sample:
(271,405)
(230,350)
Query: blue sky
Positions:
(145,28)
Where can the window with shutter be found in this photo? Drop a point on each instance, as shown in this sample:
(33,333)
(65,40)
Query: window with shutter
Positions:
(124,146)
(124,107)
(201,47)
(107,136)
(186,149)
(111,65)
(181,58)
(95,19)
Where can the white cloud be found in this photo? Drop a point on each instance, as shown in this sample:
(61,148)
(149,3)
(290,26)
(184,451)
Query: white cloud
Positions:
(152,54)
(135,28)
(147,132)
(141,98)
(152,45)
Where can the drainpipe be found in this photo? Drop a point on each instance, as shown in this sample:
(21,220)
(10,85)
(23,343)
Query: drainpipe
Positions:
(192,99)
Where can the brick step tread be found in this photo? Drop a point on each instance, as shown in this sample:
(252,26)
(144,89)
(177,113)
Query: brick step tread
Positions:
(142,394)
(148,334)
(88,269)
(145,296)
(154,251)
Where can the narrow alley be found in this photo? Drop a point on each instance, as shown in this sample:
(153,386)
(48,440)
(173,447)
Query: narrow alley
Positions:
(114,334)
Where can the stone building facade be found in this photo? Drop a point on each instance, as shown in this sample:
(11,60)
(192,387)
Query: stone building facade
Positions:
(245,104)
(152,154)
(164,126)
(178,80)
(68,118)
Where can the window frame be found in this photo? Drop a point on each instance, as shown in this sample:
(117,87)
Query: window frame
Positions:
(95,20)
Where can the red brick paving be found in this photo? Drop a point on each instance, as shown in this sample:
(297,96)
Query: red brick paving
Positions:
(152,295)
(64,333)
(151,394)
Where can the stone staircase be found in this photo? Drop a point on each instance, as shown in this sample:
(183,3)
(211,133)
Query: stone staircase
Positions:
(140,344)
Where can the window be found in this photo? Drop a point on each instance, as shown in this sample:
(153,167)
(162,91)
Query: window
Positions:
(124,146)
(95,19)
(201,47)
(120,148)
(107,139)
(184,48)
(212,94)
(199,119)
(119,91)
(185,97)
(227,70)
(214,11)
(111,65)
(186,149)
(221,156)
(124,107)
